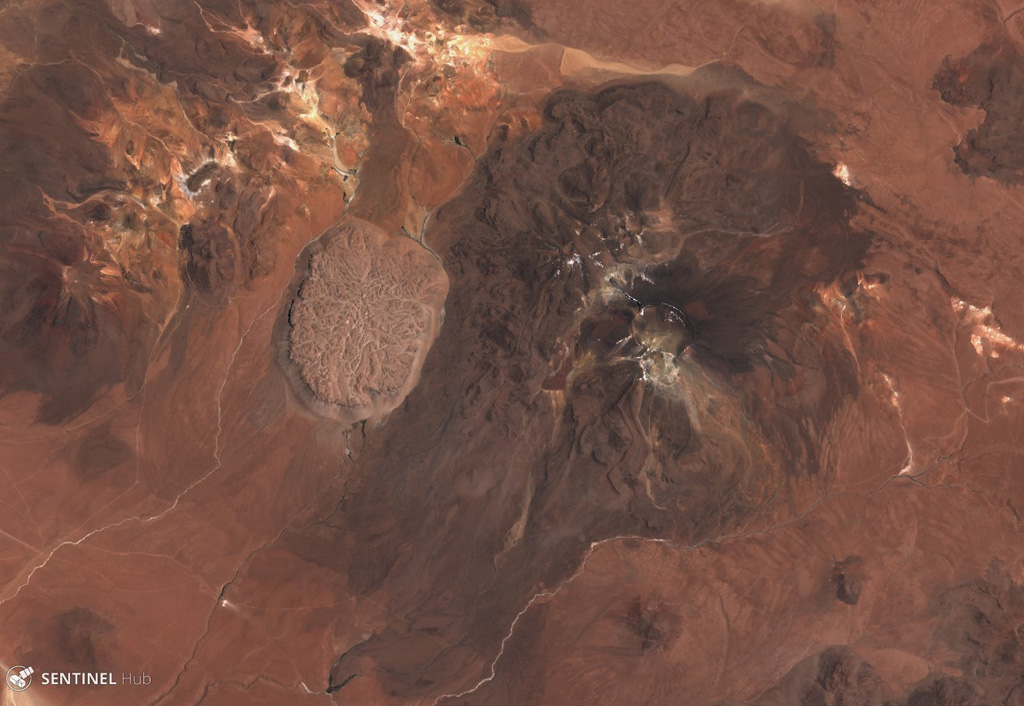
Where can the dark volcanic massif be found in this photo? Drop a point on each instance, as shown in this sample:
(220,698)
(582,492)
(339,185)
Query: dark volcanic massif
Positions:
(508,352)
(991,78)
(552,230)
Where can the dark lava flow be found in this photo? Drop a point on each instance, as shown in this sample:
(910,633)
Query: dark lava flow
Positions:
(638,220)
(991,78)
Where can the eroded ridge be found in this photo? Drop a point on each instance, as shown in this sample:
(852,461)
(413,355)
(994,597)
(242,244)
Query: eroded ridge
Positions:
(364,314)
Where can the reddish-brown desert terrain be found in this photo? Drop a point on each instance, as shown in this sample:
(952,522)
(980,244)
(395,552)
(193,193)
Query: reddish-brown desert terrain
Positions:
(511,352)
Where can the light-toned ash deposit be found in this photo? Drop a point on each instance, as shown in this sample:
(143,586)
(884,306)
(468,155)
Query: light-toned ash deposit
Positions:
(366,312)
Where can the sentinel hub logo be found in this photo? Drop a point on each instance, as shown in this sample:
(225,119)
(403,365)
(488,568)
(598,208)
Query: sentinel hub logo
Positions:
(19,678)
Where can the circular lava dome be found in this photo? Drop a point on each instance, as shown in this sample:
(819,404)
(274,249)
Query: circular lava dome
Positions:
(663,328)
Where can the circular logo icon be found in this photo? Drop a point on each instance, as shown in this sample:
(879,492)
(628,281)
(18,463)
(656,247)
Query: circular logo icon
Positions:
(18,678)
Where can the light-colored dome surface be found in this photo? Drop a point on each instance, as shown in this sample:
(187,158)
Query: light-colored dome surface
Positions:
(364,317)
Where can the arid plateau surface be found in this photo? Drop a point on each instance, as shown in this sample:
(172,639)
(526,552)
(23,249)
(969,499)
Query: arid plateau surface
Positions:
(511,352)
